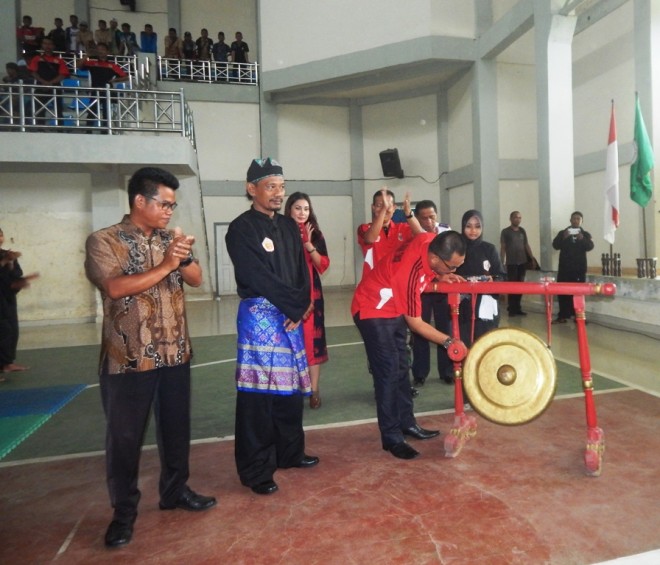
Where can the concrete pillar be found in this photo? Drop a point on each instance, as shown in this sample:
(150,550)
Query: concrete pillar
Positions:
(553,35)
(357,186)
(109,199)
(485,147)
(443,200)
(11,19)
(647,82)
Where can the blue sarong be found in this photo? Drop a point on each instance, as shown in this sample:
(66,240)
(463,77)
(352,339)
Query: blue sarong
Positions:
(270,359)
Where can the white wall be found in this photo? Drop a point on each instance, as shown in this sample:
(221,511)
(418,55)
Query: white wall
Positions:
(50,233)
(516,112)
(227,139)
(312,31)
(460,123)
(314,142)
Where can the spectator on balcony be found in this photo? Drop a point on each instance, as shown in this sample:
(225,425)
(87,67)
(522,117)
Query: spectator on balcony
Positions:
(86,40)
(11,104)
(48,70)
(12,74)
(239,49)
(127,41)
(29,38)
(189,47)
(115,42)
(72,43)
(149,40)
(204,46)
(103,34)
(58,35)
(173,45)
(101,72)
(220,49)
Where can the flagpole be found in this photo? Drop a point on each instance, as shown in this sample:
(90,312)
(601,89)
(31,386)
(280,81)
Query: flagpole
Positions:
(646,253)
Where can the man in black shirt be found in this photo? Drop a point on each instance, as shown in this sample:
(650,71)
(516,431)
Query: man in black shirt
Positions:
(271,372)
(101,72)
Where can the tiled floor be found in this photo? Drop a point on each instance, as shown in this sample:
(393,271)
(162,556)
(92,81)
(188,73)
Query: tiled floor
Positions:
(513,495)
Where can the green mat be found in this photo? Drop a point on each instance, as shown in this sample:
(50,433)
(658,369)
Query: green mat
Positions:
(24,411)
(346,389)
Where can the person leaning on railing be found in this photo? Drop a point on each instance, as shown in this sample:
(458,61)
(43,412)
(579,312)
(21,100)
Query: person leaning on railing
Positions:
(47,70)
(102,72)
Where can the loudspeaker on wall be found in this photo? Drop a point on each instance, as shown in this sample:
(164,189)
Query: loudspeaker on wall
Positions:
(389,160)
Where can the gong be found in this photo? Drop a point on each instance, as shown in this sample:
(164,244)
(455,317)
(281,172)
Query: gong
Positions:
(510,376)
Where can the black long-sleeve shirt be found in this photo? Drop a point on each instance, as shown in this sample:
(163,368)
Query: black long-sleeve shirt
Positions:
(572,255)
(268,259)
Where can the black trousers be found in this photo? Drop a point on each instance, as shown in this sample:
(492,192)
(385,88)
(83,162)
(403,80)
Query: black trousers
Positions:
(8,333)
(385,342)
(515,273)
(269,434)
(127,400)
(433,306)
(566,308)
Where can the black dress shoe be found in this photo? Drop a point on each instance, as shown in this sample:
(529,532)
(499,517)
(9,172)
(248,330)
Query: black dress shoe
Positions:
(118,534)
(190,500)
(402,450)
(447,379)
(267,487)
(414,392)
(420,433)
(521,313)
(418,382)
(308,461)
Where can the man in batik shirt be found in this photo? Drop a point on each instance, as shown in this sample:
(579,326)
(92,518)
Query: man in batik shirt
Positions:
(140,266)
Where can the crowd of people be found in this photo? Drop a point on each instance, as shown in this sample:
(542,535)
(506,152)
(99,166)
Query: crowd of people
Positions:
(141,266)
(78,38)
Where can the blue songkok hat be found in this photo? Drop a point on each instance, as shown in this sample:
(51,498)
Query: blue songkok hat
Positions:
(262,168)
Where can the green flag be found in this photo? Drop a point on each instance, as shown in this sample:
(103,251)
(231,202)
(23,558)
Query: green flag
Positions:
(641,187)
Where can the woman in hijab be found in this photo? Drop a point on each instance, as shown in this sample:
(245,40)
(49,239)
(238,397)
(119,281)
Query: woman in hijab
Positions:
(482,262)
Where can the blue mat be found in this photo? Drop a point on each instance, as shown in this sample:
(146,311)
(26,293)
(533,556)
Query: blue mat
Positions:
(22,412)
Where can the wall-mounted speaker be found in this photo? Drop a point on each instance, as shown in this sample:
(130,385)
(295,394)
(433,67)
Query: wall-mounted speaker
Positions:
(389,160)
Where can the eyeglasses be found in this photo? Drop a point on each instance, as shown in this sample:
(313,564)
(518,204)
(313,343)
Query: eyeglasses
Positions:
(163,204)
(449,267)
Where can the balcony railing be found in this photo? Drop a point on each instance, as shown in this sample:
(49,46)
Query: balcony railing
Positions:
(82,109)
(208,71)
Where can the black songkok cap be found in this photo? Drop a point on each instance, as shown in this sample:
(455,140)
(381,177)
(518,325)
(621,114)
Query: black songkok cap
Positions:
(262,168)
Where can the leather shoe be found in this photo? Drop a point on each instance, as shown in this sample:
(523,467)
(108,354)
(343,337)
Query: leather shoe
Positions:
(267,487)
(118,534)
(308,461)
(418,382)
(402,450)
(414,392)
(190,500)
(420,433)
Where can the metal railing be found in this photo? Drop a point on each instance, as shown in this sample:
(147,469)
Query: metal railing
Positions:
(82,109)
(208,71)
(128,63)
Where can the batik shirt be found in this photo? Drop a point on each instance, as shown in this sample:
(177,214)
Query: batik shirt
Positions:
(147,330)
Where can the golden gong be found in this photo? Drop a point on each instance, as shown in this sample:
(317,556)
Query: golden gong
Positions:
(510,376)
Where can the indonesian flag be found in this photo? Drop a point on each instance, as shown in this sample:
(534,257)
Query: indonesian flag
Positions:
(611,184)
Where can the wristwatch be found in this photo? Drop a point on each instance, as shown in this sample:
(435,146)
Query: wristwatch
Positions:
(410,215)
(187,260)
(447,343)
